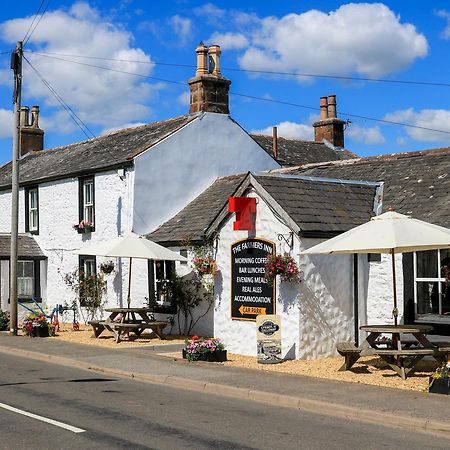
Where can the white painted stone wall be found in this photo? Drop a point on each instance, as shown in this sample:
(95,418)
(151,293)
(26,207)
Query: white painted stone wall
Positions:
(315,314)
(380,293)
(178,169)
(58,212)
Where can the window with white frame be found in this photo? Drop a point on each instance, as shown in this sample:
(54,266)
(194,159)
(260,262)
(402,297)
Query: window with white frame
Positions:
(25,279)
(88,200)
(432,285)
(32,210)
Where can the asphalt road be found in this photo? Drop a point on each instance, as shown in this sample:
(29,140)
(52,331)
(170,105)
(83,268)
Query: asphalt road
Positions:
(115,413)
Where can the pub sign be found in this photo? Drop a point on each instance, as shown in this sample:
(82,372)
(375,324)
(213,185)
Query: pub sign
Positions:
(251,295)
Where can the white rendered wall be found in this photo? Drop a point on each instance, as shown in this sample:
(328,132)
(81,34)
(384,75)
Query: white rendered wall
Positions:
(380,295)
(178,169)
(58,212)
(315,314)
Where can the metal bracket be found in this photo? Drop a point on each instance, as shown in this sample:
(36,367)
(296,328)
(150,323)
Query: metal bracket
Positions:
(288,238)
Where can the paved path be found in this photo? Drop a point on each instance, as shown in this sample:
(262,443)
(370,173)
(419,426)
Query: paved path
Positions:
(387,406)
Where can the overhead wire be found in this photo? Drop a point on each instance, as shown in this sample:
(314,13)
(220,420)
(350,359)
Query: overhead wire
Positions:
(271,100)
(264,72)
(34,19)
(79,122)
(38,22)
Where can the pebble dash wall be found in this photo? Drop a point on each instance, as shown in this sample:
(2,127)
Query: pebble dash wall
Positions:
(315,314)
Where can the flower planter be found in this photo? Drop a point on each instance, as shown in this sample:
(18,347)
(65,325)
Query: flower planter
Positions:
(40,332)
(216,356)
(208,281)
(439,386)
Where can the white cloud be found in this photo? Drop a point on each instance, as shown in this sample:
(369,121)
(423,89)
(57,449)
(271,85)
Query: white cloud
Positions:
(122,127)
(401,141)
(368,39)
(229,41)
(436,119)
(210,11)
(365,135)
(290,130)
(182,27)
(445,15)
(100,97)
(6,123)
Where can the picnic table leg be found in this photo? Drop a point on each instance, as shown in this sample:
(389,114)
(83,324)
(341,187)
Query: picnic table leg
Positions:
(348,362)
(158,331)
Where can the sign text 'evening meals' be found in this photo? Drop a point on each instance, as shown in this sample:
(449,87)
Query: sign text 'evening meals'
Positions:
(250,293)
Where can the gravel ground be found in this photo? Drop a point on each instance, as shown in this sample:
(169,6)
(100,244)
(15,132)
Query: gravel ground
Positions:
(368,370)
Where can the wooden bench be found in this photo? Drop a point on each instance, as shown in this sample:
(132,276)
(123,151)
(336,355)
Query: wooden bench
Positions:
(404,362)
(96,327)
(350,352)
(119,329)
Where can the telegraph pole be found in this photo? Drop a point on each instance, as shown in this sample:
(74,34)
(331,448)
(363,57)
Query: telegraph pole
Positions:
(16,66)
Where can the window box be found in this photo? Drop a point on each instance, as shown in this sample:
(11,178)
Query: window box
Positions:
(439,386)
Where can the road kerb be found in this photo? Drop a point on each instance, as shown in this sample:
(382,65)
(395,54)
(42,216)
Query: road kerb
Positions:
(304,404)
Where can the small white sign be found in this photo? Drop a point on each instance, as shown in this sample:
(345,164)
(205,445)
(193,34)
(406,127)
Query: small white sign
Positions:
(268,338)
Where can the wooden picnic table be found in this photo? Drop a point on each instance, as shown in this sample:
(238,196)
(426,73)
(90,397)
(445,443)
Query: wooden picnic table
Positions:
(123,321)
(400,352)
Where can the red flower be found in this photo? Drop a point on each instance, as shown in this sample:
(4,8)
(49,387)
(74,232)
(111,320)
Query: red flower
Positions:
(195,338)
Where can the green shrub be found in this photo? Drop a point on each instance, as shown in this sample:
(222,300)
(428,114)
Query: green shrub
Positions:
(4,320)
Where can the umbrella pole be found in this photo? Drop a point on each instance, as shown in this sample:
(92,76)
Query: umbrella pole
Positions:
(355,298)
(129,284)
(395,310)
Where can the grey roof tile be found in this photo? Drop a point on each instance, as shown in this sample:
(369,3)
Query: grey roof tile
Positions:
(101,153)
(191,222)
(415,183)
(27,247)
(295,152)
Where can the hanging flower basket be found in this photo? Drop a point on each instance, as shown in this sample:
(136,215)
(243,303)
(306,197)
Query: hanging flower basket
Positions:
(107,267)
(283,265)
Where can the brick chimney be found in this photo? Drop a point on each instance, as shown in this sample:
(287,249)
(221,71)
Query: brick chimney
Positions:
(31,136)
(329,127)
(209,89)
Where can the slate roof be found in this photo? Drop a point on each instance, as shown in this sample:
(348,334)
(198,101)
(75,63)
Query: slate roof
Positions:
(415,183)
(192,221)
(317,207)
(296,152)
(27,247)
(109,151)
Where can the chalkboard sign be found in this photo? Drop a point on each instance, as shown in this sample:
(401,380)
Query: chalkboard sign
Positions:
(250,293)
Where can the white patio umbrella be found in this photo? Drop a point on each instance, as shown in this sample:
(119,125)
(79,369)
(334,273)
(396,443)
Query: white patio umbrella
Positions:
(391,233)
(130,246)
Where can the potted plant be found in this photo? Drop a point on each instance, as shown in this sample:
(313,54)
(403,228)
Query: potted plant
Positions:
(4,320)
(440,380)
(283,265)
(85,226)
(107,267)
(204,349)
(36,325)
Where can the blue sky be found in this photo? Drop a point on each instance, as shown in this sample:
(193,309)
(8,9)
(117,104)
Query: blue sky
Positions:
(394,40)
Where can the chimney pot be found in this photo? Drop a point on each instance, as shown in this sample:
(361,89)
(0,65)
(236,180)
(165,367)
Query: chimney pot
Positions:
(332,113)
(24,116)
(202,51)
(35,116)
(323,108)
(214,60)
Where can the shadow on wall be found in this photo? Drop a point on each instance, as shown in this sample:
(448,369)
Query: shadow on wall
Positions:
(118,280)
(288,295)
(218,290)
(326,304)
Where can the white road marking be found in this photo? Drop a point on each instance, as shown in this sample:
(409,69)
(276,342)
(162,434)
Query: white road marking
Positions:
(43,419)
